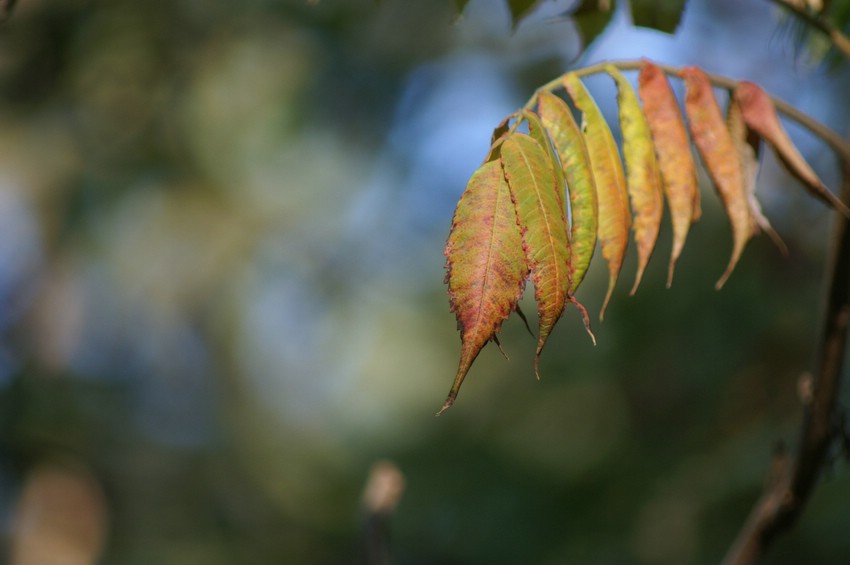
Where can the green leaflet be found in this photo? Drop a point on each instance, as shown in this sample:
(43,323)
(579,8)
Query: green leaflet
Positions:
(533,185)
(575,163)
(719,154)
(614,219)
(485,264)
(591,18)
(673,150)
(663,16)
(539,134)
(643,179)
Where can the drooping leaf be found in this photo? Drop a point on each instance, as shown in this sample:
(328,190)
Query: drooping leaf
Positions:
(538,133)
(614,218)
(675,160)
(747,145)
(663,16)
(575,163)
(718,152)
(591,18)
(760,115)
(642,177)
(485,264)
(533,186)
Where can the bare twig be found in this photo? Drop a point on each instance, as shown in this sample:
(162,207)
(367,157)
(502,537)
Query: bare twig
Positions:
(784,498)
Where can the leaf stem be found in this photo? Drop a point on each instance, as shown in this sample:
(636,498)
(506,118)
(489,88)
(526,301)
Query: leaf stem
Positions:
(837,143)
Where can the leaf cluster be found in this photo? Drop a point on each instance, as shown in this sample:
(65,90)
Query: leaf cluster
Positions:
(543,201)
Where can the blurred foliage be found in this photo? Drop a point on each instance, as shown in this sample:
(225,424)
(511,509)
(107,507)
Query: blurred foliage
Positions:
(220,278)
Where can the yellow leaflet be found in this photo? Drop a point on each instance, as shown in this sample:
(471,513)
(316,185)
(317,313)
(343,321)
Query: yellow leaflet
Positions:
(485,264)
(613,220)
(718,152)
(533,187)
(675,161)
(643,179)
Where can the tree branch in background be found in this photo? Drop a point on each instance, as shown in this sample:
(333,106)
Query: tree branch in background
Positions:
(814,19)
(792,479)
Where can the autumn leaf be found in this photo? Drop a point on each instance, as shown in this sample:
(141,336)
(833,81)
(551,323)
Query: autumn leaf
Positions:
(708,130)
(760,115)
(485,264)
(539,134)
(675,161)
(542,200)
(533,187)
(614,218)
(575,164)
(642,176)
(747,146)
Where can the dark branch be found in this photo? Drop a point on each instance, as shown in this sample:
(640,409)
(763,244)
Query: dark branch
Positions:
(784,498)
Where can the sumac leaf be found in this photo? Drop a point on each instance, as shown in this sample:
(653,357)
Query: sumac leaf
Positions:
(760,115)
(485,264)
(642,177)
(539,134)
(531,177)
(575,163)
(614,219)
(675,161)
(747,145)
(718,152)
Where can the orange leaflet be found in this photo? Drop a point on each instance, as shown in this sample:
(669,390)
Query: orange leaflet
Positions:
(643,179)
(719,154)
(614,217)
(675,160)
(760,115)
(532,180)
(485,264)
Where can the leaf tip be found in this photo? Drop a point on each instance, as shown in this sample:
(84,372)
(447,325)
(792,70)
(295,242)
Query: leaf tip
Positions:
(637,282)
(585,318)
(670,270)
(446,405)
